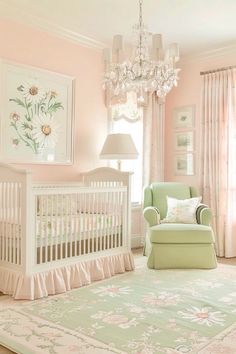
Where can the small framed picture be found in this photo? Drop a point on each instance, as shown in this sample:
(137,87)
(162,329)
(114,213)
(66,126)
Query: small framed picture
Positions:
(184,141)
(184,117)
(184,164)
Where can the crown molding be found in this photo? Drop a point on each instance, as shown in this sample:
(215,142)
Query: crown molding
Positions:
(18,15)
(209,54)
(15,13)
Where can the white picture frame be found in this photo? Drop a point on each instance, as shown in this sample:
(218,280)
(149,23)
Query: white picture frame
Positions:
(184,117)
(184,141)
(184,164)
(36,115)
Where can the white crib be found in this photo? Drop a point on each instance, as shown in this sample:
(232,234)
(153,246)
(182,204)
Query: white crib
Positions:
(59,236)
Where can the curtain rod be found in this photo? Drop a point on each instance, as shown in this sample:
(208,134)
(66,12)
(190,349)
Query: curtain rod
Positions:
(215,71)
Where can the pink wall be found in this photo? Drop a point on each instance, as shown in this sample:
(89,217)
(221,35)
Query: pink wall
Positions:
(29,46)
(188,92)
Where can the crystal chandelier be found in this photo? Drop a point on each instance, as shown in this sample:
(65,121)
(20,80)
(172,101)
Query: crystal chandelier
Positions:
(148,70)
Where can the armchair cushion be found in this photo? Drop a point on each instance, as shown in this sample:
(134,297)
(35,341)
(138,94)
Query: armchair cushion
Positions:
(181,233)
(182,210)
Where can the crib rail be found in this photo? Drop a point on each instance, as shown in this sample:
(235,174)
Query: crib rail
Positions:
(15,185)
(10,222)
(72,222)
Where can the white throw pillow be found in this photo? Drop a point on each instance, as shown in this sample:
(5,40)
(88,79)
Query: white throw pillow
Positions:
(182,211)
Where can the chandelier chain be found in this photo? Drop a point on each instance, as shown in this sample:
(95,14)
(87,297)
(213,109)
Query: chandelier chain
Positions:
(140,12)
(140,32)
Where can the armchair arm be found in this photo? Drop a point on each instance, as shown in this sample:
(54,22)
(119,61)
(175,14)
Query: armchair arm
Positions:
(203,215)
(152,215)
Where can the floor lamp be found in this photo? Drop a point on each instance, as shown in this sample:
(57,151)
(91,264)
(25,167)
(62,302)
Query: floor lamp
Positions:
(119,147)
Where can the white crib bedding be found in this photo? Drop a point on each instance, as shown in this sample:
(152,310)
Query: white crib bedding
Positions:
(75,226)
(68,227)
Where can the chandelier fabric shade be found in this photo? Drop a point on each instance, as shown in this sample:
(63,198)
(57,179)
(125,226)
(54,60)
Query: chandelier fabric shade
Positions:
(149,69)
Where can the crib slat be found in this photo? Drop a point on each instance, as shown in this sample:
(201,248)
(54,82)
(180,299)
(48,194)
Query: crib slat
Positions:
(1,230)
(61,226)
(14,206)
(119,222)
(113,229)
(76,224)
(52,227)
(109,220)
(6,223)
(46,228)
(80,198)
(104,221)
(14,224)
(89,222)
(84,224)
(11,225)
(39,237)
(71,220)
(66,226)
(96,220)
(4,218)
(19,229)
(93,223)
(2,222)
(56,228)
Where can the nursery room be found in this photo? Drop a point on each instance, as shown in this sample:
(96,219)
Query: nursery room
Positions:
(117,176)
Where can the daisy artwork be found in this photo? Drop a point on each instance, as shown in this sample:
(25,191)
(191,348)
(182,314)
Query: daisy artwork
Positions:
(37,127)
(37,122)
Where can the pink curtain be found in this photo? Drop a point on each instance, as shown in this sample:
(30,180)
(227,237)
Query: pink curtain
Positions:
(153,140)
(219,156)
(153,146)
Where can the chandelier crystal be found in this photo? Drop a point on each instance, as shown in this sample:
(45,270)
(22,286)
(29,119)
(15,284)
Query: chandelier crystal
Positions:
(148,70)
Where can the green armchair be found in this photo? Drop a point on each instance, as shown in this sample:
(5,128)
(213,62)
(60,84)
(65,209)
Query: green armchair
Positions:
(177,245)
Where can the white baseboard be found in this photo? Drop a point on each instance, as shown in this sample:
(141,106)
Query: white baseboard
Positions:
(137,241)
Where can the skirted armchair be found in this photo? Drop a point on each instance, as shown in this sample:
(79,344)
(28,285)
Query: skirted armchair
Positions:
(177,245)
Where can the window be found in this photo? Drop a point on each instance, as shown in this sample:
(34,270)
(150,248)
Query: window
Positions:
(128,118)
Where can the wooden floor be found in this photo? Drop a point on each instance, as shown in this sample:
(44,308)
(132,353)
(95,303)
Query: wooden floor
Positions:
(138,253)
(5,350)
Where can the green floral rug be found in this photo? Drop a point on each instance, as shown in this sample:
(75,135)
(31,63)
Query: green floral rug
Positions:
(141,312)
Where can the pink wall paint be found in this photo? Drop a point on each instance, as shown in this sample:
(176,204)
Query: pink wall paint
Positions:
(188,92)
(25,45)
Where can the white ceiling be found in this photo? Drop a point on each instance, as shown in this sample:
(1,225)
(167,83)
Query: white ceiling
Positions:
(197,25)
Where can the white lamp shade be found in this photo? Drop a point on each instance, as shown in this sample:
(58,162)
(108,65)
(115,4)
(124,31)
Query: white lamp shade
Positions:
(118,147)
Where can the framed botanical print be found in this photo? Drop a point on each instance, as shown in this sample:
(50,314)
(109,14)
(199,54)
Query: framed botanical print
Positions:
(36,115)
(184,141)
(184,117)
(184,164)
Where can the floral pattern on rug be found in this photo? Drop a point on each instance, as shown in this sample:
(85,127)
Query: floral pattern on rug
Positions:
(34,335)
(146,312)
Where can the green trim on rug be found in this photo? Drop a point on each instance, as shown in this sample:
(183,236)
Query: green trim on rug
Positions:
(146,311)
